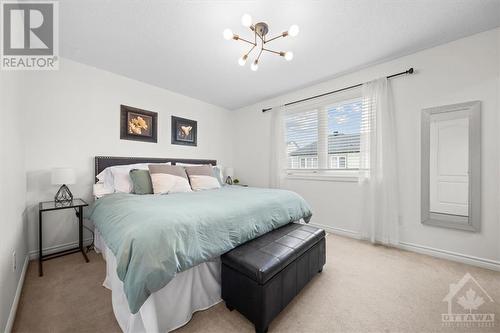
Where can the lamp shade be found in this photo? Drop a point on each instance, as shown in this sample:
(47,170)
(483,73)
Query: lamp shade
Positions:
(229,172)
(62,176)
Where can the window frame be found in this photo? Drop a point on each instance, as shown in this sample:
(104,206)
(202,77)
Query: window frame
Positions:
(343,175)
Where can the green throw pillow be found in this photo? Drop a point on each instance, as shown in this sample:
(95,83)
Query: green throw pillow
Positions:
(141,181)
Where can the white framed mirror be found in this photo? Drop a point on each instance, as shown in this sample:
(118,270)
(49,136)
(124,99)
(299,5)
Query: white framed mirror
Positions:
(451,166)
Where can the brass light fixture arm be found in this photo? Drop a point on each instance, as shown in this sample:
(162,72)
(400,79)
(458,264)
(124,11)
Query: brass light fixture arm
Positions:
(261,38)
(236,37)
(260,53)
(284,34)
(272,51)
(250,51)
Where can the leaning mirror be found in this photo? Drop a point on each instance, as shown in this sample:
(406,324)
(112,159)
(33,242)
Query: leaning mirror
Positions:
(451,166)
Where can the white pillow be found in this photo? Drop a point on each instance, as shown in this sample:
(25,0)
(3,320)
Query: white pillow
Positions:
(105,178)
(218,170)
(164,183)
(117,178)
(202,177)
(169,179)
(121,179)
(100,190)
(200,182)
(186,164)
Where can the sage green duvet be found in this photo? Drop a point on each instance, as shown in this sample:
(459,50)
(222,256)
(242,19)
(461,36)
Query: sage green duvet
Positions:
(155,236)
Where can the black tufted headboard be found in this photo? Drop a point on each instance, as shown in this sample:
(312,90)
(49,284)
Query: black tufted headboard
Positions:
(102,162)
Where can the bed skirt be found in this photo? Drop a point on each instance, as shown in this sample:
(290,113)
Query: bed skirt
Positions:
(170,307)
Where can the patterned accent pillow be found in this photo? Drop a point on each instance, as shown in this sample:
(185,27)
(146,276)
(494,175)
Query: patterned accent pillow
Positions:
(168,179)
(202,177)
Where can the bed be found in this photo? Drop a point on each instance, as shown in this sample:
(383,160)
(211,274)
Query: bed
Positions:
(162,251)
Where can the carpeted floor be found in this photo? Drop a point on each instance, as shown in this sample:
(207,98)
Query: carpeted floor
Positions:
(363,288)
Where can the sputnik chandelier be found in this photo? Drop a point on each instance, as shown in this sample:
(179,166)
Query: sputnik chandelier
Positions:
(260,31)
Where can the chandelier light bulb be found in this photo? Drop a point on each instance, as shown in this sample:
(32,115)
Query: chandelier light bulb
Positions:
(288,56)
(246,20)
(254,66)
(228,34)
(243,60)
(294,30)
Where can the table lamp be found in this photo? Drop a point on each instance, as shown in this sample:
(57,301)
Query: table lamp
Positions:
(63,177)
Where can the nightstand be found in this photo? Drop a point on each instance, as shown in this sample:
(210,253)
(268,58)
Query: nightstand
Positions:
(77,205)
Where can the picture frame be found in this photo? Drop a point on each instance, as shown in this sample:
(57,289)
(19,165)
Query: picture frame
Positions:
(184,131)
(138,125)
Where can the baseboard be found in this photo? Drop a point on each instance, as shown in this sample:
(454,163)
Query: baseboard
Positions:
(438,253)
(338,231)
(15,303)
(56,248)
(454,256)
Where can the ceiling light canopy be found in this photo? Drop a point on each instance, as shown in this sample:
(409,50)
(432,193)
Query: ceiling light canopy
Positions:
(260,31)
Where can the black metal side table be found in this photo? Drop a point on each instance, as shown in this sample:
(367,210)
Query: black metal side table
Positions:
(76,204)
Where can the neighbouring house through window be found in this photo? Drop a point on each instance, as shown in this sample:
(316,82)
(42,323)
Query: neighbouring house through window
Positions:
(325,137)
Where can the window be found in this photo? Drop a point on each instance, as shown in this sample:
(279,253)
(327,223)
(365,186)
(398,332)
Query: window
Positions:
(337,162)
(324,137)
(308,162)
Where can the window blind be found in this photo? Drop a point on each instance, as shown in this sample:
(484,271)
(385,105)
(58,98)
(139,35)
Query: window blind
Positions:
(324,137)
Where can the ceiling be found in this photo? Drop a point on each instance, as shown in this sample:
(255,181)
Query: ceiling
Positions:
(178,45)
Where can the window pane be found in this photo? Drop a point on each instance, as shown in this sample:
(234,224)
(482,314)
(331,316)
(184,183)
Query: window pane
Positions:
(333,162)
(342,164)
(302,139)
(344,121)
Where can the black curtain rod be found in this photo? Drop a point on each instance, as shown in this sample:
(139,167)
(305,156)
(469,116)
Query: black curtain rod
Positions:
(409,71)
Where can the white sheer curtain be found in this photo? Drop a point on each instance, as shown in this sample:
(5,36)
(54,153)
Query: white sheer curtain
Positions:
(277,152)
(378,165)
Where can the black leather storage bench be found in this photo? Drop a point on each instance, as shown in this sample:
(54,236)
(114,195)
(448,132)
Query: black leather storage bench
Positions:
(260,277)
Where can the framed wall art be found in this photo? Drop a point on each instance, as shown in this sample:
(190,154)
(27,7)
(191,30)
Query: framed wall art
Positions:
(137,124)
(184,131)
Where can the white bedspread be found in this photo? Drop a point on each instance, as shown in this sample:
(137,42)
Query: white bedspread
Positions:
(170,307)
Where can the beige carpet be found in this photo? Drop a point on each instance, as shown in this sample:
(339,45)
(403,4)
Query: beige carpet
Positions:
(363,288)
